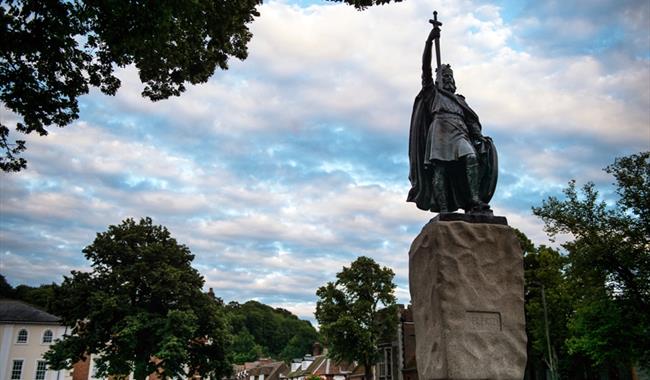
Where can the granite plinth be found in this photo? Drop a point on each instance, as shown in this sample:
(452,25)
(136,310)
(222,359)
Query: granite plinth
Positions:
(467,290)
(487,218)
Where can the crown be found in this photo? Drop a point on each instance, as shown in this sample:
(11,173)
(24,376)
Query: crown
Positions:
(444,67)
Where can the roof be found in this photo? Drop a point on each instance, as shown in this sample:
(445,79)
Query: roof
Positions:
(14,311)
(330,367)
(314,361)
(264,367)
(359,371)
(322,365)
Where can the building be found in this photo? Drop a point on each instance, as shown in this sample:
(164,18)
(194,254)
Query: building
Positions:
(263,369)
(398,354)
(26,333)
(406,331)
(321,366)
(397,358)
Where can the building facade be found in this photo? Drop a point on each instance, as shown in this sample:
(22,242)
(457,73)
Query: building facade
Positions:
(26,333)
(397,356)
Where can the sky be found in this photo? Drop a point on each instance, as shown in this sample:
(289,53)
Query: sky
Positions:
(294,162)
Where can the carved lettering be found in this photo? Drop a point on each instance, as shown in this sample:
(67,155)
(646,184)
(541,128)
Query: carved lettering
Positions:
(483,321)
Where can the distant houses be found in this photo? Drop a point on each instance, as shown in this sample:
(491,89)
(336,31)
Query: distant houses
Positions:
(397,360)
(263,369)
(315,364)
(319,365)
(26,333)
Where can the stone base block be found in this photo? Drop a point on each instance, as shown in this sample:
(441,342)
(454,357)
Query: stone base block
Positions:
(467,291)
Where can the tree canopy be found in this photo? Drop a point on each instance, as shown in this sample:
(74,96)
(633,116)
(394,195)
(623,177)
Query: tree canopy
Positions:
(607,269)
(261,330)
(6,290)
(54,51)
(277,332)
(549,304)
(142,300)
(357,312)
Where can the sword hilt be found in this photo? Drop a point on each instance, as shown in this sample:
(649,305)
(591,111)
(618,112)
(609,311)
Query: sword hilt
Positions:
(436,25)
(436,36)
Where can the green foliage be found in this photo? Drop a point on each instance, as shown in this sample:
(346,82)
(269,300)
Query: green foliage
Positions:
(41,296)
(245,349)
(141,300)
(545,267)
(363,4)
(54,51)
(602,331)
(608,271)
(300,344)
(274,332)
(6,290)
(349,315)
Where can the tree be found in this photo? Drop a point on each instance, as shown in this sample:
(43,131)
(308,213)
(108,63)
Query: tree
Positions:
(41,296)
(6,290)
(363,4)
(349,314)
(141,309)
(609,263)
(300,343)
(54,51)
(276,331)
(549,304)
(244,349)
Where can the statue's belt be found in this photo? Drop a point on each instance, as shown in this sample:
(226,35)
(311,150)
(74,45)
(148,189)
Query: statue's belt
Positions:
(455,116)
(449,115)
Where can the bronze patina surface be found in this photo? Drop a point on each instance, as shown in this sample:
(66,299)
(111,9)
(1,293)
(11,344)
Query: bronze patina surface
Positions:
(452,165)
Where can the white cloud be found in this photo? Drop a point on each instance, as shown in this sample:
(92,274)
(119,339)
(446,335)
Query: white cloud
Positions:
(238,169)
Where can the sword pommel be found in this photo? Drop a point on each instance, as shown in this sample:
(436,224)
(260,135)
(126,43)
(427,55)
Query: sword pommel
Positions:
(436,35)
(436,25)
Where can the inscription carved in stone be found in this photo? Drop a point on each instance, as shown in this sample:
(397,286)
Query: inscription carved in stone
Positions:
(483,321)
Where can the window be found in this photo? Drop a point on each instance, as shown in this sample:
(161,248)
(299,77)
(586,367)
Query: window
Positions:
(47,336)
(385,364)
(41,368)
(22,336)
(93,372)
(17,370)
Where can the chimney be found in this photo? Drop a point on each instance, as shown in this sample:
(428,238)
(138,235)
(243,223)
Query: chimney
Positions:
(317,349)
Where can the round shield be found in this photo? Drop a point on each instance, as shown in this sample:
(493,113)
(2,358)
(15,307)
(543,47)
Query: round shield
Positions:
(489,170)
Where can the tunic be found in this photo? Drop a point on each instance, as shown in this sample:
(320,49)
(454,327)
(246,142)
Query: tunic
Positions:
(448,135)
(442,125)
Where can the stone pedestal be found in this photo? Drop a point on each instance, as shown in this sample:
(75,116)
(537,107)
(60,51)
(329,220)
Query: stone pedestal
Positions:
(467,290)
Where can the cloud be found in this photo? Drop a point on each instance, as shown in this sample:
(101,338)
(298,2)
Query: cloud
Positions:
(291,164)
(585,27)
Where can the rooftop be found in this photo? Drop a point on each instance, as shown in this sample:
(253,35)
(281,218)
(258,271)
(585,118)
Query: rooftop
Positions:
(13,311)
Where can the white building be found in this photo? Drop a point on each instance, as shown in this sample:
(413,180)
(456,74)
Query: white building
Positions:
(26,333)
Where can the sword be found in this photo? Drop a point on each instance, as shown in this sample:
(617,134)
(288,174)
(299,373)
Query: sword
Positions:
(436,36)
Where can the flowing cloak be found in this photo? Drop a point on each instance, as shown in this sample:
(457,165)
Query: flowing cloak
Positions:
(421,170)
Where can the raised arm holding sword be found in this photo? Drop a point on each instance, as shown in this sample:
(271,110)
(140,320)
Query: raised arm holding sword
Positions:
(452,165)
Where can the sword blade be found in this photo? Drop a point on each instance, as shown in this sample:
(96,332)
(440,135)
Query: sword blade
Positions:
(437,42)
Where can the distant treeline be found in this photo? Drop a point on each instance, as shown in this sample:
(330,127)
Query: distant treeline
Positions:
(258,330)
(263,331)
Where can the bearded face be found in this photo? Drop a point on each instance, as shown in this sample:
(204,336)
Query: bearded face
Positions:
(448,82)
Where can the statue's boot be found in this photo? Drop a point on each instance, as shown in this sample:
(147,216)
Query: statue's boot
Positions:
(472,172)
(439,191)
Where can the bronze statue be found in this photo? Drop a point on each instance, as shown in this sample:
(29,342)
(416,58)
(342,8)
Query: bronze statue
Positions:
(452,165)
